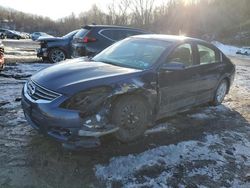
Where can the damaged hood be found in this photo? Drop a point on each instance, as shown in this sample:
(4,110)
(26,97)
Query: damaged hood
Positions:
(78,74)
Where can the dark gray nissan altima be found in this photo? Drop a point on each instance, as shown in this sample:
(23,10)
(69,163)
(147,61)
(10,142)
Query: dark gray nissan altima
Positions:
(125,88)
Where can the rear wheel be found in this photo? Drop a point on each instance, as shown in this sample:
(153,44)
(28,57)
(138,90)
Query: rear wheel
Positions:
(56,55)
(131,115)
(220,92)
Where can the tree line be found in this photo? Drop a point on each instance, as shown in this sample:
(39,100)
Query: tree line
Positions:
(200,18)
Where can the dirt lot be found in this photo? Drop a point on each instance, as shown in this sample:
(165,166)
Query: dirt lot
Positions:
(204,147)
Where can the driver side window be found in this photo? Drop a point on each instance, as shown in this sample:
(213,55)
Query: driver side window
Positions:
(182,54)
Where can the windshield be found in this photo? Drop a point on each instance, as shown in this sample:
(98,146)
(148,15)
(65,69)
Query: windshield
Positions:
(135,53)
(70,34)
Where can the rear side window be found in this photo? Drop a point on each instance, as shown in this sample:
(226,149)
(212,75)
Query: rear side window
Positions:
(82,33)
(207,55)
(118,34)
(108,34)
(182,54)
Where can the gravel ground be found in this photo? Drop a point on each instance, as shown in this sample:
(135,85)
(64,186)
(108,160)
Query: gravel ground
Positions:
(203,147)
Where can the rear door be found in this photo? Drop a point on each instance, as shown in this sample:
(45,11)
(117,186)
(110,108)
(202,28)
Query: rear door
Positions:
(211,68)
(177,89)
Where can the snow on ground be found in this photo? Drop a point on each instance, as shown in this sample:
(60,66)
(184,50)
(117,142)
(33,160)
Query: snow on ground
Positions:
(12,80)
(230,50)
(199,116)
(18,53)
(158,167)
(227,49)
(160,128)
(22,70)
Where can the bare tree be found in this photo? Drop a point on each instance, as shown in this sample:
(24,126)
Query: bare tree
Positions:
(142,11)
(118,13)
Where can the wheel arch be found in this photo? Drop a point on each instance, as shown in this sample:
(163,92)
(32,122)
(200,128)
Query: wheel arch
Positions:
(148,98)
(54,48)
(228,80)
(57,47)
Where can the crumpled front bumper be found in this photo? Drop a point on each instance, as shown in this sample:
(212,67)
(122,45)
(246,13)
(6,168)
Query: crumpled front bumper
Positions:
(61,124)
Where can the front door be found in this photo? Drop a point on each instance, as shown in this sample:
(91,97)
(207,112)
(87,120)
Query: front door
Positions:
(177,88)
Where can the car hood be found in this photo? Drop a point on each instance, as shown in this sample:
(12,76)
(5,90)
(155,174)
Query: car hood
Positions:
(78,74)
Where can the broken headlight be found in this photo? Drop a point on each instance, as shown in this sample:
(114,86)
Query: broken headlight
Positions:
(87,101)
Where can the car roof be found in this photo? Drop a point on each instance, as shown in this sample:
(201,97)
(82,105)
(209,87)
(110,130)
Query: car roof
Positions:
(169,38)
(112,26)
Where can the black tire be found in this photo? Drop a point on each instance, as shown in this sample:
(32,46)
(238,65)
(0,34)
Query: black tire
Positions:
(56,55)
(132,115)
(220,93)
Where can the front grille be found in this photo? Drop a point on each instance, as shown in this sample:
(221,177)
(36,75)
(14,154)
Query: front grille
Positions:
(37,92)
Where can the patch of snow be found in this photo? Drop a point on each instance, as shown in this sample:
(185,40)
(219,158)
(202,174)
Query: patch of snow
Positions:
(230,50)
(199,116)
(159,128)
(19,52)
(158,167)
(241,77)
(220,108)
(12,80)
(227,49)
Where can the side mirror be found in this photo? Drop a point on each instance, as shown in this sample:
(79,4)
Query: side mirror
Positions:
(173,66)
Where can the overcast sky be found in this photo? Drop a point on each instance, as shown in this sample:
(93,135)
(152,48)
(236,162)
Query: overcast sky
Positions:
(56,8)
(53,8)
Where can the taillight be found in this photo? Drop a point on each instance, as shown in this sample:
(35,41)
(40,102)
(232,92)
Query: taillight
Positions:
(89,39)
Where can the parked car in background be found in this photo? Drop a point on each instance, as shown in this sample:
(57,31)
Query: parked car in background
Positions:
(11,34)
(92,39)
(125,88)
(36,35)
(55,49)
(27,35)
(1,56)
(244,51)
(23,35)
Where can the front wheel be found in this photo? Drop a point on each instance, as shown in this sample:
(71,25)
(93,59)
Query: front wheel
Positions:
(220,93)
(56,55)
(132,115)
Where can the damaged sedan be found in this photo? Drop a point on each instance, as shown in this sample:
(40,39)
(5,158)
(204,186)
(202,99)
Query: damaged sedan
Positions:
(124,89)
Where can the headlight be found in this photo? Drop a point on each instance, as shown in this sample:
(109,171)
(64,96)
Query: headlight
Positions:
(87,101)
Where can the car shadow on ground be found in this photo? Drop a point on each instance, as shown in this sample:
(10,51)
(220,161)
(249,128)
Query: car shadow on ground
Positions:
(48,158)
(189,125)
